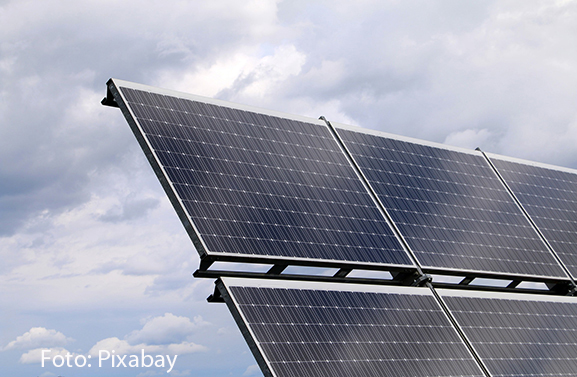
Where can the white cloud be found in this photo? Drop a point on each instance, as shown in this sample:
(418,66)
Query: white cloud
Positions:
(209,78)
(173,372)
(38,337)
(184,348)
(122,347)
(35,356)
(252,370)
(180,373)
(47,374)
(166,329)
(243,75)
(167,334)
(150,373)
(260,80)
(468,138)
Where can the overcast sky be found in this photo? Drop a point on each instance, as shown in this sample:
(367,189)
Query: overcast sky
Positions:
(93,255)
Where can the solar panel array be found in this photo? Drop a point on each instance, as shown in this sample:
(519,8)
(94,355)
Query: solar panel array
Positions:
(549,195)
(450,206)
(260,185)
(256,185)
(312,329)
(518,334)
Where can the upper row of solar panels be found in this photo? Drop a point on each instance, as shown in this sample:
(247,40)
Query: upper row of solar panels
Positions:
(255,185)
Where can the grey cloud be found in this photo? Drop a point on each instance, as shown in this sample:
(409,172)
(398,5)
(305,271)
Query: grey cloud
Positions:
(49,158)
(429,70)
(133,208)
(61,54)
(173,282)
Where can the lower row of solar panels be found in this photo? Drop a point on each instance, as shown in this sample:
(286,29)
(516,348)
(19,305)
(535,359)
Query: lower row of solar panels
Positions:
(328,329)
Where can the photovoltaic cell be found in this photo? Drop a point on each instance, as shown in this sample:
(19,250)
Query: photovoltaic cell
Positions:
(518,334)
(549,195)
(313,329)
(450,206)
(257,184)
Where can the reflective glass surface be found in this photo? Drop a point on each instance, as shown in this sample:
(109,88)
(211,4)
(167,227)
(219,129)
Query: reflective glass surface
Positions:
(312,331)
(520,335)
(262,185)
(550,198)
(451,207)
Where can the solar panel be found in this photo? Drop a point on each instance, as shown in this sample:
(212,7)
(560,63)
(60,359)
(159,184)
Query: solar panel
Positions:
(518,334)
(256,183)
(549,195)
(450,206)
(315,329)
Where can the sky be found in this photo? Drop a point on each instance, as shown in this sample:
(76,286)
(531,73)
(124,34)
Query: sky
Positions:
(93,256)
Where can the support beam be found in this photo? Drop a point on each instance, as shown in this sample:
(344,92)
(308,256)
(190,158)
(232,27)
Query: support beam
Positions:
(205,264)
(467,280)
(277,269)
(405,278)
(514,284)
(343,272)
(215,297)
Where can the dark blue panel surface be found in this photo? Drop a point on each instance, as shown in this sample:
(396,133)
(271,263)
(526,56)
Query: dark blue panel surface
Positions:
(519,335)
(261,185)
(550,197)
(311,329)
(451,207)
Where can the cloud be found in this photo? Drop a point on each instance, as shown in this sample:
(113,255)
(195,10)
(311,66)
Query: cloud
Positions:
(167,334)
(469,138)
(184,348)
(151,373)
(180,373)
(243,76)
(265,75)
(132,208)
(122,347)
(47,374)
(252,370)
(173,372)
(38,337)
(166,329)
(35,356)
(54,131)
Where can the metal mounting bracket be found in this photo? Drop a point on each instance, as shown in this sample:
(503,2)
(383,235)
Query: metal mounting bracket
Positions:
(109,99)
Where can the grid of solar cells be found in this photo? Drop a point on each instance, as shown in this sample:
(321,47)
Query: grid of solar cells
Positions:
(257,184)
(519,336)
(451,207)
(303,330)
(550,198)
